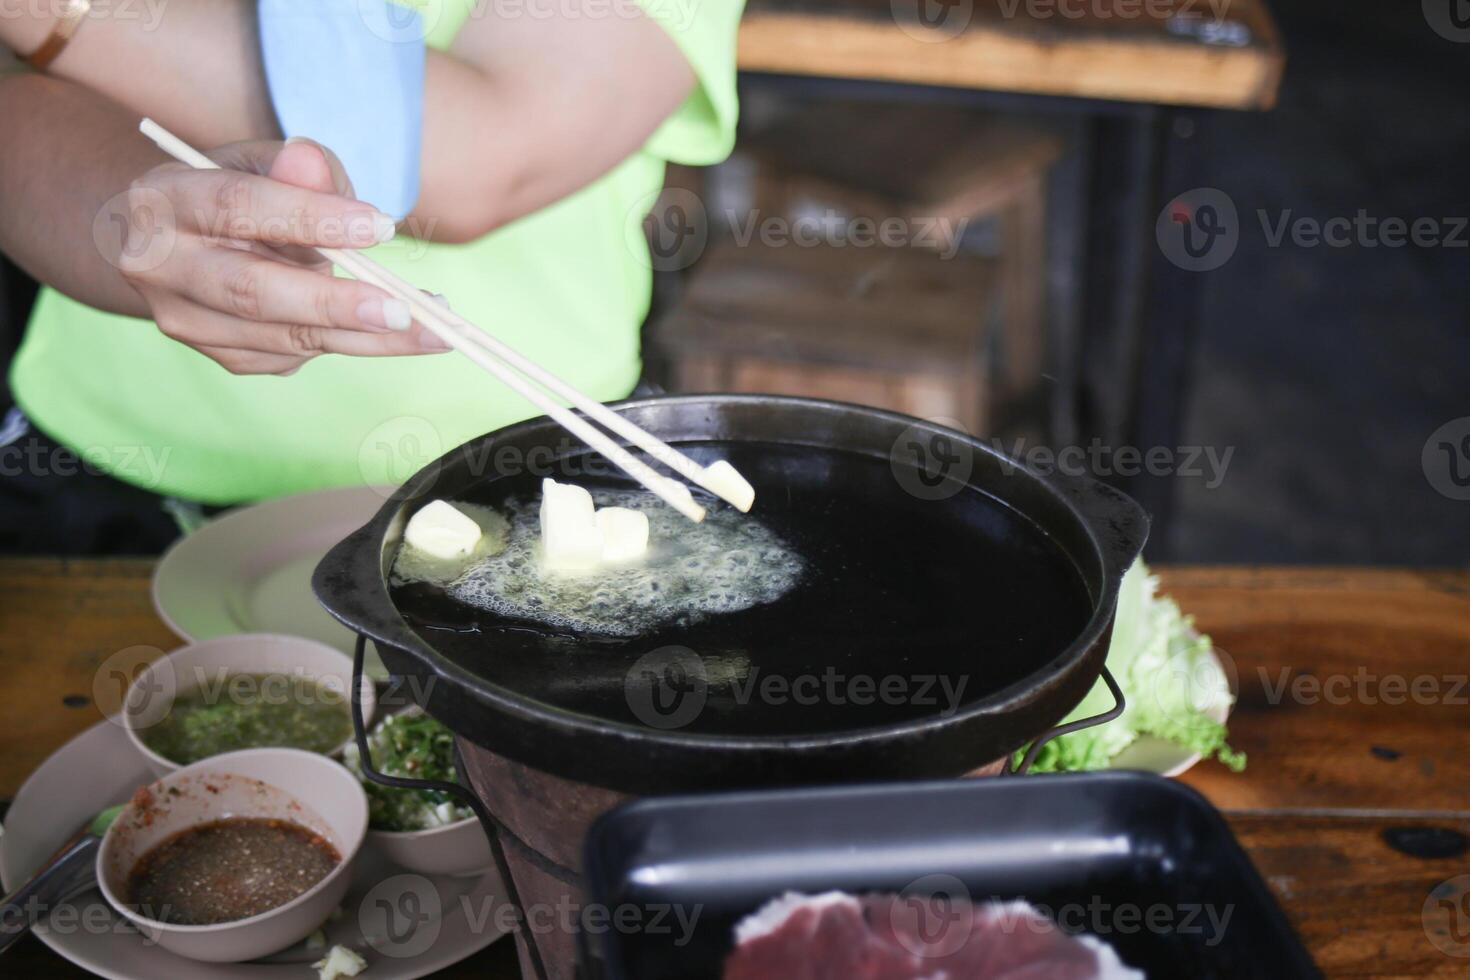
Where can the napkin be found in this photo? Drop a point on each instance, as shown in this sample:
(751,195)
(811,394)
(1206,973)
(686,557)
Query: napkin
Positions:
(350,75)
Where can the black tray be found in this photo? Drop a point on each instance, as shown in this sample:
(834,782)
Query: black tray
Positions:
(1092,845)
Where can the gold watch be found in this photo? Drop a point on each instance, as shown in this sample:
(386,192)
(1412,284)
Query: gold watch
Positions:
(70,19)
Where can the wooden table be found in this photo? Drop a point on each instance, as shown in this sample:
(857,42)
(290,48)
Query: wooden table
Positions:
(1354,710)
(1160,51)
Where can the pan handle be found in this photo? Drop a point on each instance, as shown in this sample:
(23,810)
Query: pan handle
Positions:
(1118,523)
(1074,726)
(469,799)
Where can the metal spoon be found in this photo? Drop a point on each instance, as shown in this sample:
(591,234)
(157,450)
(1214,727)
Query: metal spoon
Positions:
(71,871)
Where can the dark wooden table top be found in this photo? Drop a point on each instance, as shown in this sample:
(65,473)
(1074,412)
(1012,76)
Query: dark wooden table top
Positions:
(1220,53)
(1354,709)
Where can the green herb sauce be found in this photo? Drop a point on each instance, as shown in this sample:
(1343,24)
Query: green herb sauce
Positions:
(246,711)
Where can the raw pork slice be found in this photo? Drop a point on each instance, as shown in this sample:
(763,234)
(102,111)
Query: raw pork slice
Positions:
(836,936)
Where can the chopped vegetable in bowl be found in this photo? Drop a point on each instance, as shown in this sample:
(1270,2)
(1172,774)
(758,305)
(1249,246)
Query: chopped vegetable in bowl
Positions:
(413,745)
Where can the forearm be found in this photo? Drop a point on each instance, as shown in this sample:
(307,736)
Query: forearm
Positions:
(504,134)
(195,67)
(67,152)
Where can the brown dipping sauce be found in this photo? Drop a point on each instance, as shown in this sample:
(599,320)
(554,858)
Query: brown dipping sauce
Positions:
(227,870)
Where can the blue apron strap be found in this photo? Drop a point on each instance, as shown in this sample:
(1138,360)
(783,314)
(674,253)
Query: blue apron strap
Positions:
(350,75)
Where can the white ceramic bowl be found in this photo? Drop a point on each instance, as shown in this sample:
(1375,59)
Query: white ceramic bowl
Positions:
(211,662)
(459,848)
(286,784)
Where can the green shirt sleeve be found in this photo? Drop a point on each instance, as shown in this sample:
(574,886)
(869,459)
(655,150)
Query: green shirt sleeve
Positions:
(702,130)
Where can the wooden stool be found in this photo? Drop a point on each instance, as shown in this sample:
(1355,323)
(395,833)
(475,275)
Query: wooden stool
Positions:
(900,328)
(923,163)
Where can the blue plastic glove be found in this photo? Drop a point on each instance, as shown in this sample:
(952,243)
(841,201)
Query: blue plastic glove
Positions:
(350,75)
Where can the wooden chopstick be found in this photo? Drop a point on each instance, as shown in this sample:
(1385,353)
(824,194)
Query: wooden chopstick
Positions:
(469,340)
(642,438)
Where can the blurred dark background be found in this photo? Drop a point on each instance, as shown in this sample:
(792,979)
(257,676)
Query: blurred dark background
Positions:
(1322,370)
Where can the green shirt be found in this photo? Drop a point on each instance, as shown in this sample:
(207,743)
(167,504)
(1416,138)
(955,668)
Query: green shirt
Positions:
(568,286)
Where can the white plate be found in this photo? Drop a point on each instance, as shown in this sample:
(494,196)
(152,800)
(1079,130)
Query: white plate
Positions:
(249,570)
(99,767)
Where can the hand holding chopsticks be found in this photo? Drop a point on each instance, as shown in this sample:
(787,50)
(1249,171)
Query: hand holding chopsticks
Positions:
(526,378)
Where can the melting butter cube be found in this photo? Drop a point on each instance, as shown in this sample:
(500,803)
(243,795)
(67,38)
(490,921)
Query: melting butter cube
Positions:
(727,484)
(439,530)
(624,533)
(570,536)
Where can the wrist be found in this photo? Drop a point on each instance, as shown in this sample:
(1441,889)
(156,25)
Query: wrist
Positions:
(39,30)
(25,24)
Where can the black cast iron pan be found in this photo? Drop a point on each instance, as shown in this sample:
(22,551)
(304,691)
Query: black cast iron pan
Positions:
(980,593)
